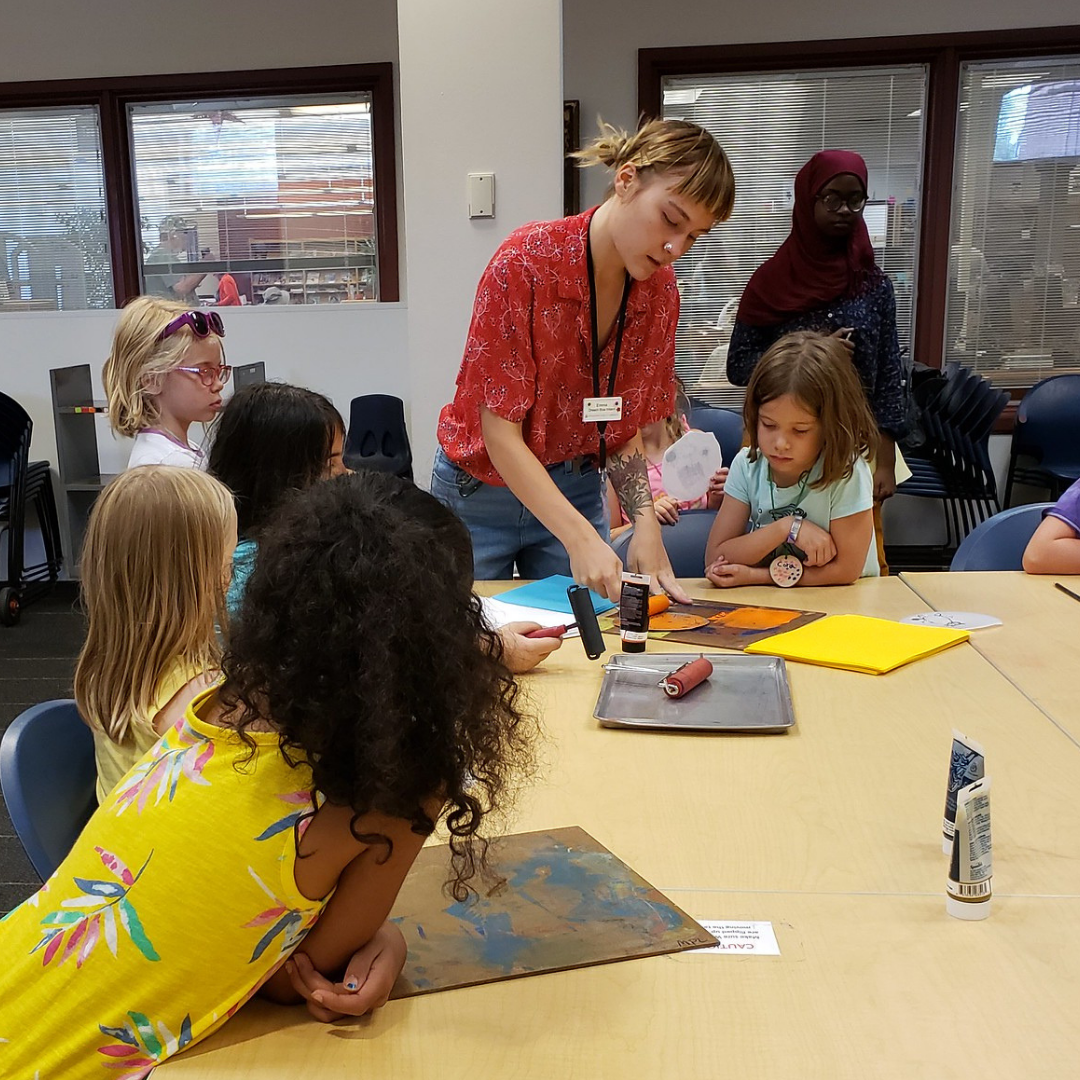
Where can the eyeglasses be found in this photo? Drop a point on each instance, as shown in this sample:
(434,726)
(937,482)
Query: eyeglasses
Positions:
(832,202)
(202,323)
(209,375)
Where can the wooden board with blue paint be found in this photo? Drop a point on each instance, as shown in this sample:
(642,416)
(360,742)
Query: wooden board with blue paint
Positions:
(716,624)
(568,902)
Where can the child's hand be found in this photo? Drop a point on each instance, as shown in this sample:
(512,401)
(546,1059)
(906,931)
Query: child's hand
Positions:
(716,488)
(817,543)
(667,509)
(843,335)
(725,575)
(366,984)
(520,653)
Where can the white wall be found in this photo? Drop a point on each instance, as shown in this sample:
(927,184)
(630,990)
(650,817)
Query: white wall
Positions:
(63,39)
(481,91)
(601,40)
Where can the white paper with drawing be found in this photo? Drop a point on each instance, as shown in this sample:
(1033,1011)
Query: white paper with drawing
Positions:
(689,464)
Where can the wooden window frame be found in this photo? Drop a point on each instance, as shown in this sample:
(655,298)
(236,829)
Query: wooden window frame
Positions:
(942,54)
(113,96)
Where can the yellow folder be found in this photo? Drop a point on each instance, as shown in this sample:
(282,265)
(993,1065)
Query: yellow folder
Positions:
(859,643)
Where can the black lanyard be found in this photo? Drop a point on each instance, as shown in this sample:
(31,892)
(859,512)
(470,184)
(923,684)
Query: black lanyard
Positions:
(620,326)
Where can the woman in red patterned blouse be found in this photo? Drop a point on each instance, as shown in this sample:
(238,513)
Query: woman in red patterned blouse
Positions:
(571,351)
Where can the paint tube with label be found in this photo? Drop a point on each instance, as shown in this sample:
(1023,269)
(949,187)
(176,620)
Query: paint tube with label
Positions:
(971,870)
(634,612)
(966,765)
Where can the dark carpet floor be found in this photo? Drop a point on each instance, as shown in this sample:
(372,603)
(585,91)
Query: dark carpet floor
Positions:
(37,662)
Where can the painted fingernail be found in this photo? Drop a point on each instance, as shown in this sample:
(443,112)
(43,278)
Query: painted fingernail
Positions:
(351,984)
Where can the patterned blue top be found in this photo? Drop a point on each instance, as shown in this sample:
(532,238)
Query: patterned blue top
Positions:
(242,566)
(877,351)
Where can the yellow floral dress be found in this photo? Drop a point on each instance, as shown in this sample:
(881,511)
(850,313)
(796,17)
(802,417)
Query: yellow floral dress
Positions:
(176,903)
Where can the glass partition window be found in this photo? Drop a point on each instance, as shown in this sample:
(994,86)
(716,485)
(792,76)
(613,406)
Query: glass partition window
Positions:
(257,201)
(770,124)
(54,234)
(1014,263)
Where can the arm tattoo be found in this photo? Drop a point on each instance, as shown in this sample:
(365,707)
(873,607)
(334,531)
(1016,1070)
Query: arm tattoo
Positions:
(630,479)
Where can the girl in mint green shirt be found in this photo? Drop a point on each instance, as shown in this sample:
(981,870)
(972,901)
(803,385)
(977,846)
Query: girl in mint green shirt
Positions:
(802,488)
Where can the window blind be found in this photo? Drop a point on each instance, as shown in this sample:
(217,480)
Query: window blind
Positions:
(770,124)
(54,235)
(279,193)
(1014,264)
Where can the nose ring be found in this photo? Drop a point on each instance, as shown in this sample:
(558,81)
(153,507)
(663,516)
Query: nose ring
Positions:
(667,248)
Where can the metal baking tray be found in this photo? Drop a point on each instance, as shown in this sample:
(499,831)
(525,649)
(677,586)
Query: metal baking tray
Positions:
(744,693)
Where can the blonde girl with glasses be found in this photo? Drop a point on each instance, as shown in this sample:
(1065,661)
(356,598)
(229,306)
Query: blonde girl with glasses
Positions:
(155,566)
(166,371)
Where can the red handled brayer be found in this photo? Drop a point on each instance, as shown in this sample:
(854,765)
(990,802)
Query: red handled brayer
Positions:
(677,683)
(552,631)
(682,680)
(592,640)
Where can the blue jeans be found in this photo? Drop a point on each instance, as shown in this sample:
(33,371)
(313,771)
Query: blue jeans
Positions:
(504,532)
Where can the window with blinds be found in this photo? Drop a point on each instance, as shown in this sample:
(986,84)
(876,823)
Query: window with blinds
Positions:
(1014,262)
(257,201)
(54,234)
(770,124)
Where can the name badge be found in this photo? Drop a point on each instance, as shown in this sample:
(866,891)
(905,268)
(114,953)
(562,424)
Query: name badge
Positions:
(595,409)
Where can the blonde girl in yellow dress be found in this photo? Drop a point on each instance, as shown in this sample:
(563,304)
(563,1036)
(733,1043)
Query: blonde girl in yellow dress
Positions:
(156,538)
(301,789)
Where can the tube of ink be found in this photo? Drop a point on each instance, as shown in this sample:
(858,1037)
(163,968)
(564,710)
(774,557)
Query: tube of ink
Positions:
(971,870)
(966,765)
(634,612)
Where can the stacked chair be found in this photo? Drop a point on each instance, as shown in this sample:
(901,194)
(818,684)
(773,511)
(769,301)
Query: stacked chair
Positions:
(24,483)
(953,465)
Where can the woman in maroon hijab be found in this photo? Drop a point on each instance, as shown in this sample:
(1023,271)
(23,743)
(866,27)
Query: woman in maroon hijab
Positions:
(824,278)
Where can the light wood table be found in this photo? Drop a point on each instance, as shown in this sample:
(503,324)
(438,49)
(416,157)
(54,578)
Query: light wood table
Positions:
(1039,639)
(832,832)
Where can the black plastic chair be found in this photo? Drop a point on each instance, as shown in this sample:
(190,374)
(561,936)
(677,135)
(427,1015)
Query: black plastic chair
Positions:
(249,374)
(953,465)
(24,483)
(1047,420)
(684,542)
(48,776)
(725,424)
(378,438)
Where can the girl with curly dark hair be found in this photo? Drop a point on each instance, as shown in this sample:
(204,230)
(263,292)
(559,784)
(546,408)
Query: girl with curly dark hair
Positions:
(261,843)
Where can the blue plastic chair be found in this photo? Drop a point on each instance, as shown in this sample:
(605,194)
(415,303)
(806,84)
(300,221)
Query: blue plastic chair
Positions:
(684,542)
(725,424)
(48,777)
(1046,423)
(999,542)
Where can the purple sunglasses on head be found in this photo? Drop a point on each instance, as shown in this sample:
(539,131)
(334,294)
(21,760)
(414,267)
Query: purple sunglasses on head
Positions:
(202,323)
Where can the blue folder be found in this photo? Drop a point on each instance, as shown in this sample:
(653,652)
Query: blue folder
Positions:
(550,595)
